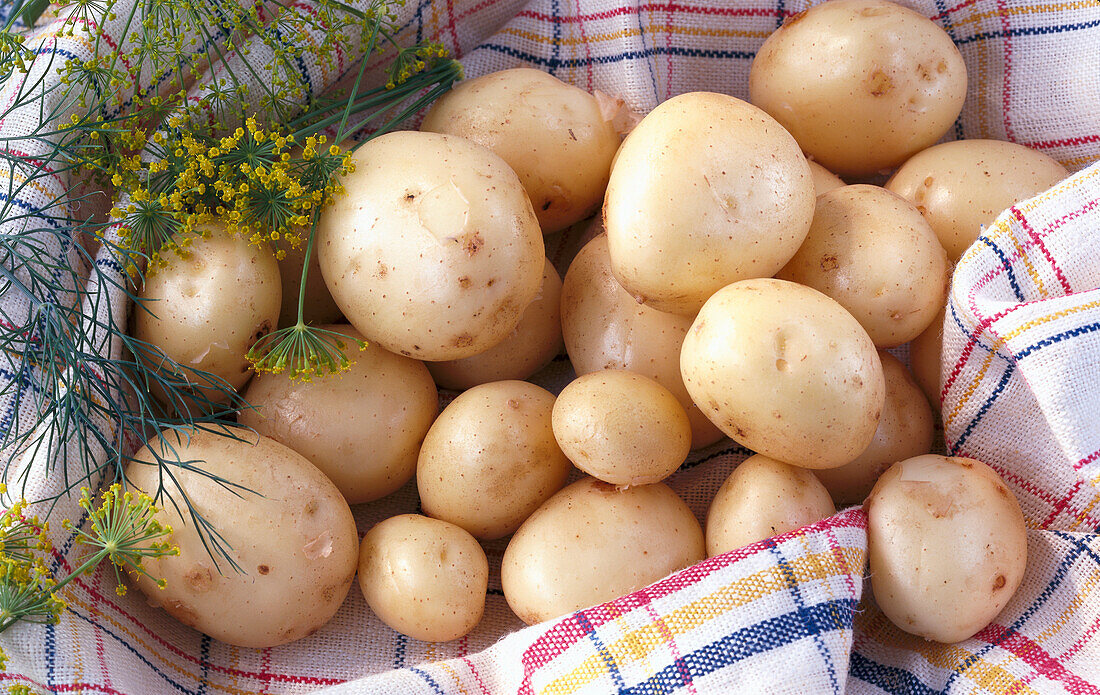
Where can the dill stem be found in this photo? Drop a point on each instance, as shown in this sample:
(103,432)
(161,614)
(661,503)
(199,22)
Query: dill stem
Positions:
(305,271)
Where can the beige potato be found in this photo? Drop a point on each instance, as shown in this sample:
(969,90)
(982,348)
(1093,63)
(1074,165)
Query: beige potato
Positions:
(423,577)
(286,527)
(363,428)
(947,546)
(707,190)
(861,84)
(530,347)
(872,251)
(924,356)
(906,429)
(604,328)
(960,187)
(490,459)
(554,135)
(785,371)
(206,310)
(622,428)
(764,498)
(319,306)
(435,251)
(592,543)
(824,180)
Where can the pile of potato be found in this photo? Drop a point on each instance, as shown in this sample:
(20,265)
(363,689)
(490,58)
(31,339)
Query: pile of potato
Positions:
(740,289)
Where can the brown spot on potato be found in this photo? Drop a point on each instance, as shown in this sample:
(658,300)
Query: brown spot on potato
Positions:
(879,84)
(546,205)
(513,404)
(381,273)
(463,340)
(999,582)
(829,262)
(199,579)
(262,330)
(263,569)
(473,244)
(464,281)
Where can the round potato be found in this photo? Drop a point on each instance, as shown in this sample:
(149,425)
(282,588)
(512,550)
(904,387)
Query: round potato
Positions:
(363,428)
(284,524)
(960,187)
(906,429)
(622,428)
(764,498)
(554,135)
(531,346)
(824,180)
(872,251)
(604,328)
(491,459)
(947,546)
(319,306)
(593,542)
(924,356)
(785,371)
(423,577)
(705,191)
(435,251)
(206,310)
(861,84)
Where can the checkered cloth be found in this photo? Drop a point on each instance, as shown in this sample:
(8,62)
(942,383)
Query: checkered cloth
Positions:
(787,615)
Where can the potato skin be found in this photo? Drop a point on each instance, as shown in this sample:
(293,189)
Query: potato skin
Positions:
(363,428)
(435,251)
(947,546)
(554,136)
(706,190)
(294,540)
(925,352)
(824,180)
(861,84)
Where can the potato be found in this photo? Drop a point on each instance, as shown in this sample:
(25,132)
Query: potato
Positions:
(906,429)
(924,356)
(947,546)
(423,577)
(873,252)
(960,187)
(604,328)
(705,191)
(319,306)
(553,134)
(285,525)
(363,428)
(530,347)
(206,310)
(764,498)
(490,459)
(861,84)
(824,180)
(435,251)
(593,542)
(622,428)
(785,371)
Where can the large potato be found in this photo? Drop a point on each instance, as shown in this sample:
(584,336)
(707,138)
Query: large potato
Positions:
(286,526)
(705,191)
(824,180)
(947,546)
(530,347)
(906,429)
(593,542)
(435,251)
(604,328)
(363,428)
(785,371)
(873,252)
(553,134)
(861,84)
(960,187)
(925,353)
(491,459)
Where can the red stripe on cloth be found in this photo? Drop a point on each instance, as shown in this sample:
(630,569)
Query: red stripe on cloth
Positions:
(1006,90)
(1062,504)
(1042,247)
(1066,142)
(587,47)
(652,7)
(956,8)
(476,675)
(1035,656)
(1081,641)
(61,687)
(1087,460)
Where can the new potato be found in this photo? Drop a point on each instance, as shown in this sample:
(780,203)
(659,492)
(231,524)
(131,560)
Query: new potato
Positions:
(925,352)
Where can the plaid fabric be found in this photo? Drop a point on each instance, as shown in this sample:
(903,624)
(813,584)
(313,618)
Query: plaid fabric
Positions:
(788,615)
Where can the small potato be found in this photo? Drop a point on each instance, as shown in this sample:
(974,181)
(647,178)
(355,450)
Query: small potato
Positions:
(906,429)
(423,577)
(363,428)
(924,355)
(872,251)
(529,348)
(593,542)
(622,428)
(861,84)
(319,306)
(764,498)
(490,459)
(286,527)
(824,180)
(554,135)
(785,371)
(707,190)
(604,328)
(947,546)
(960,187)
(435,251)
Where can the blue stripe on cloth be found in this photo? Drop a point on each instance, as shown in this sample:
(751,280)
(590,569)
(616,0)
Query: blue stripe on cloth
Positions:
(608,660)
(1009,369)
(890,679)
(37,212)
(977,341)
(429,680)
(1057,338)
(399,652)
(204,661)
(617,58)
(555,44)
(1006,265)
(646,49)
(1028,31)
